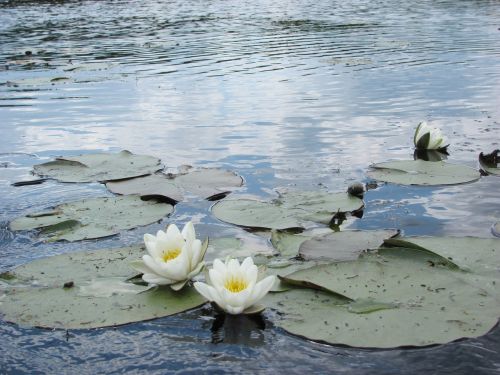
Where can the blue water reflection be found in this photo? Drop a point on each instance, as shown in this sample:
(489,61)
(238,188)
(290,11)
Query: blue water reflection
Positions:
(291,94)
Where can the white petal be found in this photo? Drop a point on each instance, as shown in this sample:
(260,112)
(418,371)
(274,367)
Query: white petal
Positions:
(173,231)
(236,299)
(216,278)
(233,267)
(251,274)
(153,265)
(195,253)
(204,290)
(208,292)
(233,310)
(195,271)
(178,268)
(150,242)
(261,289)
(248,262)
(219,266)
(188,232)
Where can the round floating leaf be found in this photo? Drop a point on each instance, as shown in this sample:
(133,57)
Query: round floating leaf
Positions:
(36,295)
(153,185)
(411,303)
(238,247)
(480,255)
(419,172)
(345,245)
(99,167)
(107,286)
(288,211)
(288,244)
(209,183)
(256,214)
(93,217)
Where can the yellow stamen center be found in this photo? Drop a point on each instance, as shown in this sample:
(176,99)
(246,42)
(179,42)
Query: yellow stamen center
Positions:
(235,284)
(170,254)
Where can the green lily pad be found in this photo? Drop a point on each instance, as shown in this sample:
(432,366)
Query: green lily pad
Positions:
(153,185)
(290,210)
(419,172)
(108,286)
(412,303)
(288,244)
(238,247)
(93,217)
(36,295)
(98,167)
(344,245)
(480,255)
(208,183)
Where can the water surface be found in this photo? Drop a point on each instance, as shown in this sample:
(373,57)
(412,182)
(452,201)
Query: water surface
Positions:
(291,94)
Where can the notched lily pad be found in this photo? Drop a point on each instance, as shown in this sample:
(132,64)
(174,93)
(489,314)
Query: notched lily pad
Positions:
(36,295)
(344,245)
(208,183)
(419,172)
(290,210)
(93,217)
(98,167)
(481,255)
(412,303)
(153,185)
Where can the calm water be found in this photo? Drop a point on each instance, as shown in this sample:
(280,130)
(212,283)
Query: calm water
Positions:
(290,94)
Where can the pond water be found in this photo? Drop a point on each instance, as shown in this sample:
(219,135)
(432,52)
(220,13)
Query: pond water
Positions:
(300,94)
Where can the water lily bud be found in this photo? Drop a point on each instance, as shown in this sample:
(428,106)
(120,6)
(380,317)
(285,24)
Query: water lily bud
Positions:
(427,138)
(173,257)
(357,189)
(234,287)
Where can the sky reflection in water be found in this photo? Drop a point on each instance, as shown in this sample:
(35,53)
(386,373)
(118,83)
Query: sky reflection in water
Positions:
(289,94)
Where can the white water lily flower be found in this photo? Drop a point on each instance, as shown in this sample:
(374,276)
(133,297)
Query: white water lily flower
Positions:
(427,138)
(173,257)
(234,287)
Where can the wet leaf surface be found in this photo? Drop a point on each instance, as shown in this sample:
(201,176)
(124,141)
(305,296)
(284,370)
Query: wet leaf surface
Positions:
(93,217)
(419,172)
(98,167)
(36,294)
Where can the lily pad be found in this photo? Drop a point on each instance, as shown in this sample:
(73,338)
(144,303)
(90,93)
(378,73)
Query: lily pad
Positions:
(419,172)
(480,255)
(98,167)
(288,244)
(238,247)
(290,210)
(93,217)
(413,303)
(36,295)
(344,245)
(208,183)
(153,185)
